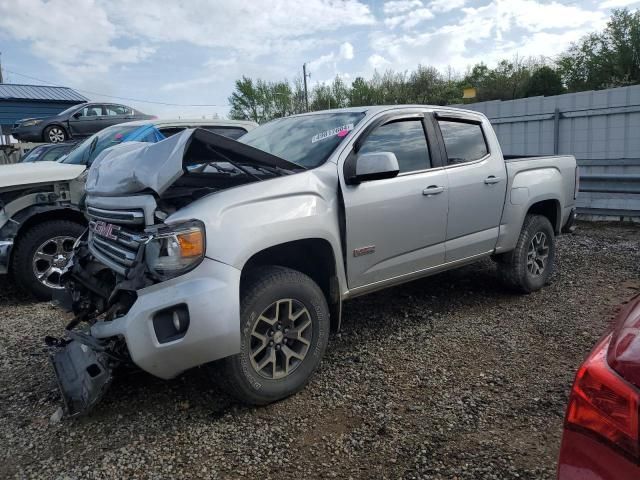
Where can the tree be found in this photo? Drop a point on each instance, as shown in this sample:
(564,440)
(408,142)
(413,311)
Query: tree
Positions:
(544,81)
(245,101)
(610,58)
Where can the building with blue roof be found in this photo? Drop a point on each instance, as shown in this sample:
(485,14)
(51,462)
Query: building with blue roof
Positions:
(27,101)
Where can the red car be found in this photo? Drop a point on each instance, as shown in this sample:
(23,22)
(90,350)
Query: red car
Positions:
(600,439)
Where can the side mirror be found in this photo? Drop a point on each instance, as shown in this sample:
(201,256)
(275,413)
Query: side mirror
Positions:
(371,166)
(77,115)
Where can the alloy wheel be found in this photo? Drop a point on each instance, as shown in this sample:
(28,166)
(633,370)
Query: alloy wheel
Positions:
(280,339)
(50,259)
(537,254)
(56,135)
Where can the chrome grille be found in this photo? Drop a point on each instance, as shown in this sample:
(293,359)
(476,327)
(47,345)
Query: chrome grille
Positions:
(130,216)
(119,251)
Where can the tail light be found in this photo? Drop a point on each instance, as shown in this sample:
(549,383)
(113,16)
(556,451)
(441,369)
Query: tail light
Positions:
(605,405)
(577,183)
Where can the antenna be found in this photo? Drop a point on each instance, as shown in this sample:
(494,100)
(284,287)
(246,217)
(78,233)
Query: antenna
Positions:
(1,79)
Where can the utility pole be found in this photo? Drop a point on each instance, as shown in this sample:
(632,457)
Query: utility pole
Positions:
(1,79)
(306,95)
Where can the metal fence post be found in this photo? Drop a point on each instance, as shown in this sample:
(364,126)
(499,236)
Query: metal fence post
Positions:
(556,131)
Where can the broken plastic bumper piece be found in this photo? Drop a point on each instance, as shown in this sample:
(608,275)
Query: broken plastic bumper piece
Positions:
(83,375)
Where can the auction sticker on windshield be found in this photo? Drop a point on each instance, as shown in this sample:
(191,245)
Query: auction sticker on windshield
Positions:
(339,131)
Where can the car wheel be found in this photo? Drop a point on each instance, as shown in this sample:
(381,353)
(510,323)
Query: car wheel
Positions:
(55,134)
(284,333)
(41,254)
(529,266)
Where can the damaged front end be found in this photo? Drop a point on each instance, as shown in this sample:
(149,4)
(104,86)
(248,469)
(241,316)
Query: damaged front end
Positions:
(141,289)
(84,364)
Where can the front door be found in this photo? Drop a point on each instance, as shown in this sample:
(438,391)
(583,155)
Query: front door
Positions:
(396,226)
(477,184)
(87,121)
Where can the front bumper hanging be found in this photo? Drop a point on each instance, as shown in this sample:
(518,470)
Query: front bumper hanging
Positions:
(83,375)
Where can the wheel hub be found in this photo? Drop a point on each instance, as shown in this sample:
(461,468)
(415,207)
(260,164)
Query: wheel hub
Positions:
(280,339)
(537,254)
(50,258)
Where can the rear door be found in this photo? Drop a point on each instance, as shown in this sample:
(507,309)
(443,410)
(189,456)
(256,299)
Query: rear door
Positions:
(477,180)
(115,114)
(396,226)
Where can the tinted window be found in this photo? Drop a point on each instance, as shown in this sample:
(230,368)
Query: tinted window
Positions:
(231,132)
(464,141)
(92,111)
(307,140)
(118,110)
(169,131)
(53,154)
(34,154)
(406,139)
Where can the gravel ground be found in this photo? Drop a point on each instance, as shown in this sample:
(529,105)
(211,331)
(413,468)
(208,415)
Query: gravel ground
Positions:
(446,377)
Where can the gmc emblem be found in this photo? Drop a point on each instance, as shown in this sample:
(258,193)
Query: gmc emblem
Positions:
(104,229)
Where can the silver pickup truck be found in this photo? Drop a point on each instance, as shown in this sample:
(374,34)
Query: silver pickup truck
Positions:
(238,254)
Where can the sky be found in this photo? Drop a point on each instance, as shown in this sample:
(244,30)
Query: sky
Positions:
(189,53)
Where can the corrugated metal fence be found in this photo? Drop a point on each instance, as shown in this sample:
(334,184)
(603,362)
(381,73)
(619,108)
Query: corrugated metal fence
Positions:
(602,130)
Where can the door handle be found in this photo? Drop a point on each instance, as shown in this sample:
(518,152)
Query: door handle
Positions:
(432,190)
(490,180)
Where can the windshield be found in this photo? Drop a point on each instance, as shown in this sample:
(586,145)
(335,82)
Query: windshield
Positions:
(34,154)
(70,109)
(88,150)
(307,140)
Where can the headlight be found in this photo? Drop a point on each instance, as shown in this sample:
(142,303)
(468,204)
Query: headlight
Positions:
(31,123)
(175,249)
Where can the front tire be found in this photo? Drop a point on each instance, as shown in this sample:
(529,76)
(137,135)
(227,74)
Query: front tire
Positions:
(55,134)
(41,253)
(529,266)
(284,333)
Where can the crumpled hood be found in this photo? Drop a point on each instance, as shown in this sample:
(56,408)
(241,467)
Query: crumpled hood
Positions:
(134,167)
(37,172)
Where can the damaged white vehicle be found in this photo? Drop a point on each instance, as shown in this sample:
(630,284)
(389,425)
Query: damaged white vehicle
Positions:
(241,252)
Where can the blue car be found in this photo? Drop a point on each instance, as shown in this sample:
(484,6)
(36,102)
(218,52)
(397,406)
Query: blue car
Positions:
(150,132)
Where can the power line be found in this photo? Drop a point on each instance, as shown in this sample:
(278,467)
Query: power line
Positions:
(118,97)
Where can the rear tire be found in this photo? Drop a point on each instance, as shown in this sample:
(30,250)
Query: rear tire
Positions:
(529,266)
(41,252)
(284,332)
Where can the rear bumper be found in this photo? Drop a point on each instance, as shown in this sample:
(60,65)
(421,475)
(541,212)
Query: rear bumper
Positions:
(5,255)
(211,296)
(582,457)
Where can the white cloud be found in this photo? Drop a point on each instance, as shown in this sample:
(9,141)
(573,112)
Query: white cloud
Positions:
(252,28)
(321,61)
(446,5)
(74,35)
(378,62)
(400,6)
(617,3)
(489,33)
(410,19)
(346,51)
(81,36)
